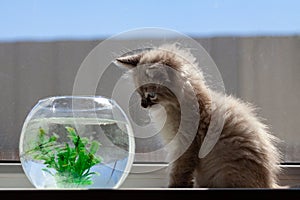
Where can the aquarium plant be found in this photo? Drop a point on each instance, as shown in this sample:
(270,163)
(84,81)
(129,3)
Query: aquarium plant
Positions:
(69,163)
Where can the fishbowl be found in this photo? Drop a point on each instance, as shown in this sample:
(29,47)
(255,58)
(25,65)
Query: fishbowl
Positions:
(76,142)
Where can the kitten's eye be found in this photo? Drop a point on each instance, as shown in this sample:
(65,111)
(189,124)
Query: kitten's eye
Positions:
(152,96)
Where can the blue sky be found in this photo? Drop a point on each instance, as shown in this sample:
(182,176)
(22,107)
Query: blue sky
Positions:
(91,19)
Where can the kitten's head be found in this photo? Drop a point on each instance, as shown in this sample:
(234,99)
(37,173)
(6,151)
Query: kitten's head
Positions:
(156,73)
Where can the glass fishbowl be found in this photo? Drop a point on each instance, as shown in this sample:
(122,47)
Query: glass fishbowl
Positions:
(76,142)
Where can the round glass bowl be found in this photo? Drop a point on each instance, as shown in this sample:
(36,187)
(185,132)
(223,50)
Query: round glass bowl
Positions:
(76,142)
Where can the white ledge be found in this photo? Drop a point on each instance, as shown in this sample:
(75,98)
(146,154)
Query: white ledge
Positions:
(142,176)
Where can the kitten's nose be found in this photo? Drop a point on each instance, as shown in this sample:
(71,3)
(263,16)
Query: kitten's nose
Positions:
(144,103)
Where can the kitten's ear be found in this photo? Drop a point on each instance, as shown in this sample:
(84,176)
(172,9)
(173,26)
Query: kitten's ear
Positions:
(129,61)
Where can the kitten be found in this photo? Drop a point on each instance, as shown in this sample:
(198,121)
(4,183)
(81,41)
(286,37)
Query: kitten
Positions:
(245,154)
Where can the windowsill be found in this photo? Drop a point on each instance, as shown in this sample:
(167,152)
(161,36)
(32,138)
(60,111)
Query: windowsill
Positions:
(150,185)
(143,176)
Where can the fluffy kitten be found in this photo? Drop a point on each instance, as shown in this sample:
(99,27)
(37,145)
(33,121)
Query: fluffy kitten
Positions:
(245,154)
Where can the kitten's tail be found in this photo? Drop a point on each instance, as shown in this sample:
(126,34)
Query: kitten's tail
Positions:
(295,186)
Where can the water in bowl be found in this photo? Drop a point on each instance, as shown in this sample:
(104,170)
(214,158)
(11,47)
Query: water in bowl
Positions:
(113,154)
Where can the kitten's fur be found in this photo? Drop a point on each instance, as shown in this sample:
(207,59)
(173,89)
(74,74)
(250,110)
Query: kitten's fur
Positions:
(245,154)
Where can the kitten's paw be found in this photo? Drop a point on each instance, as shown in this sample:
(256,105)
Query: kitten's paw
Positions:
(181,185)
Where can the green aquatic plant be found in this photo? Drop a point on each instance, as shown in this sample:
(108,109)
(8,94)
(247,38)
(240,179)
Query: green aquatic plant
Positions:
(72,163)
